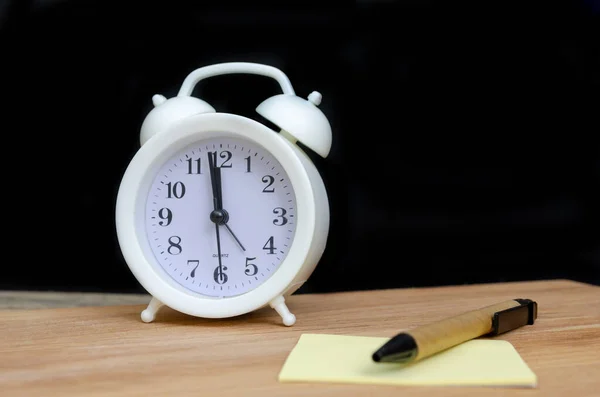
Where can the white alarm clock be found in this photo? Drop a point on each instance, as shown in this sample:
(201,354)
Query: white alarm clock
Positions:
(217,214)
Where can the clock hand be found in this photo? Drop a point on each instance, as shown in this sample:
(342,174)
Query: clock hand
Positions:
(215,180)
(219,216)
(220,274)
(234,236)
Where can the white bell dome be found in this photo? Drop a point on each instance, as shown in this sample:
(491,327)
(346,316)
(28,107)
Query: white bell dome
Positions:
(168,111)
(300,118)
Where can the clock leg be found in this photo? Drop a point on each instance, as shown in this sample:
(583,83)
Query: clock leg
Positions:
(281,308)
(149,314)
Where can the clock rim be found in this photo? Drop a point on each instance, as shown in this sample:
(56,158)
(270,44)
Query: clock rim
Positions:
(133,191)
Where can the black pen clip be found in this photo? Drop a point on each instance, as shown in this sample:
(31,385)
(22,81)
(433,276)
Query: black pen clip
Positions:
(515,317)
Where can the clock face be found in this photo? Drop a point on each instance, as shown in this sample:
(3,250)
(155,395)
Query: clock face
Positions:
(226,244)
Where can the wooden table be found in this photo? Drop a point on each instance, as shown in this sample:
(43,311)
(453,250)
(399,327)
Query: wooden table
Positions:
(107,351)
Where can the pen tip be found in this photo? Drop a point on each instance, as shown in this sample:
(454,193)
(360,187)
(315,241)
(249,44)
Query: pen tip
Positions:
(400,349)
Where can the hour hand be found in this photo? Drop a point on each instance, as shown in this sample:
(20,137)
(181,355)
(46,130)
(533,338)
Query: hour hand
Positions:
(215,180)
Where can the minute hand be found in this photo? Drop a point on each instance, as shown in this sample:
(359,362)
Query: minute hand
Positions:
(216,216)
(223,215)
(215,178)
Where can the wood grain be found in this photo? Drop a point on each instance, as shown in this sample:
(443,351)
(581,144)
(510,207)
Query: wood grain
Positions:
(55,299)
(108,351)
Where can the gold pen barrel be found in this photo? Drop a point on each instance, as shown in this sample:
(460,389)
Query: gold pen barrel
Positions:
(435,337)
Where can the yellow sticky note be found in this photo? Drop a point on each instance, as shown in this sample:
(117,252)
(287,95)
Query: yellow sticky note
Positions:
(347,359)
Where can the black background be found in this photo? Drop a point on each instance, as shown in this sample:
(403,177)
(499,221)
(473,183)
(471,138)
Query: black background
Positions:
(465,142)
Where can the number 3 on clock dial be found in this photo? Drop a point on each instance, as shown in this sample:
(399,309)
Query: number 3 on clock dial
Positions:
(257,222)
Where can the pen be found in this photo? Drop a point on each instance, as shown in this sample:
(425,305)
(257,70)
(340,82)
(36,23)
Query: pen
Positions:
(424,341)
